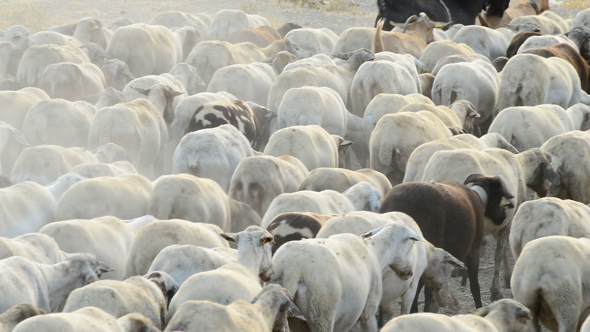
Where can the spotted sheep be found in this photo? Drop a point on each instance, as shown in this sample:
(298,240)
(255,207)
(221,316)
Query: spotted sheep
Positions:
(253,122)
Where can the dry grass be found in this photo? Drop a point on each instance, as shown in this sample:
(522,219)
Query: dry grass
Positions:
(325,5)
(582,4)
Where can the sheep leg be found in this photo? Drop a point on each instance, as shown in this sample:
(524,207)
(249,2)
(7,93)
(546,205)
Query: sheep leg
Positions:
(472,262)
(415,302)
(507,271)
(428,301)
(495,290)
(408,297)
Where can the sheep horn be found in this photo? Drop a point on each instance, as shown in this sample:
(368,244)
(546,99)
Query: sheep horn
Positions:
(408,21)
(535,6)
(427,21)
(471,178)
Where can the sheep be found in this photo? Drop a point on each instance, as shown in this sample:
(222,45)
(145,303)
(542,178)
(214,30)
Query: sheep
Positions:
(125,196)
(187,75)
(551,278)
(19,102)
(459,116)
(477,82)
(268,312)
(119,298)
(187,197)
(12,142)
(131,44)
(46,286)
(458,58)
(395,137)
(175,19)
(535,41)
(185,109)
(293,226)
(491,43)
(212,153)
(501,316)
(413,42)
(546,25)
(382,76)
(208,56)
(530,80)
(37,57)
(227,21)
(39,248)
(385,103)
(571,164)
(86,30)
(313,145)
(361,196)
(57,122)
(18,313)
(335,301)
(108,238)
(95,170)
(96,53)
(72,81)
(137,126)
(517,9)
(440,49)
(436,264)
(337,77)
(545,217)
(155,236)
(261,36)
(341,179)
(182,261)
(188,37)
(86,320)
(233,281)
(420,156)
(116,74)
(313,41)
(8,60)
(354,38)
(257,180)
(544,121)
(53,37)
(526,169)
(465,209)
(253,122)
(45,163)
(582,19)
(250,82)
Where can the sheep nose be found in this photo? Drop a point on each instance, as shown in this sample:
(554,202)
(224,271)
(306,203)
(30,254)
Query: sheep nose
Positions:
(407,275)
(264,277)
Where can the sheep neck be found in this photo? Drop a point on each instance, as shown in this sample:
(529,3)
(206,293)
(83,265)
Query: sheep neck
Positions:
(379,250)
(249,260)
(57,188)
(60,281)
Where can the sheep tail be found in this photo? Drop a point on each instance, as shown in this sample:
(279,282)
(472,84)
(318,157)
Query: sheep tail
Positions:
(377,40)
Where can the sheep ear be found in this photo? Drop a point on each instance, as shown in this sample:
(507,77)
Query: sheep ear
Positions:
(102,268)
(481,312)
(505,193)
(294,311)
(344,143)
(454,261)
(550,174)
(230,237)
(371,233)
(266,239)
(413,237)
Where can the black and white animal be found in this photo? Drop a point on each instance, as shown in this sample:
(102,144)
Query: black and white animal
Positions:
(457,11)
(253,122)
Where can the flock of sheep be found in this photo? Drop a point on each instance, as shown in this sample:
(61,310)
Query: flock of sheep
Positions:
(347,173)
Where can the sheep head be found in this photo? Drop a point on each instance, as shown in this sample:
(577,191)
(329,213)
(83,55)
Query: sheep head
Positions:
(494,196)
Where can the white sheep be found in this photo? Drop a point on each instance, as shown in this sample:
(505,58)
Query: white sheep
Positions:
(46,286)
(119,298)
(341,179)
(227,21)
(12,142)
(552,278)
(250,82)
(257,180)
(58,122)
(420,156)
(491,43)
(435,263)
(233,281)
(72,81)
(527,127)
(267,312)
(547,25)
(336,282)
(545,217)
(107,238)
(182,261)
(361,196)
(175,19)
(37,247)
(459,116)
(571,164)
(212,153)
(385,103)
(155,236)
(125,196)
(94,170)
(147,49)
(582,19)
(188,76)
(313,145)
(395,137)
(501,316)
(19,102)
(187,197)
(530,80)
(440,49)
(313,41)
(13,316)
(476,81)
(354,38)
(381,76)
(543,41)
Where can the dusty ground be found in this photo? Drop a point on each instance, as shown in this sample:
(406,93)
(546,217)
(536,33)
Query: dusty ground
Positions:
(334,14)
